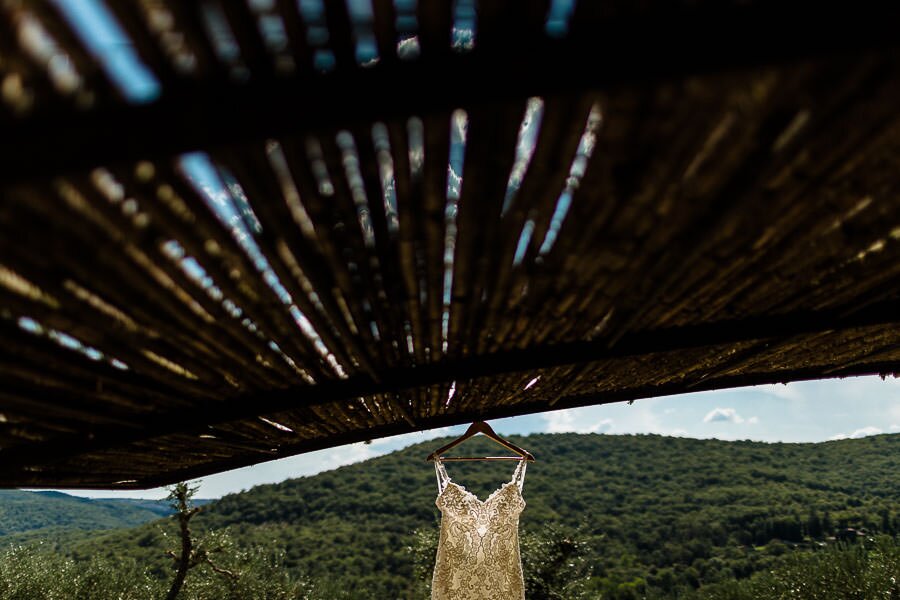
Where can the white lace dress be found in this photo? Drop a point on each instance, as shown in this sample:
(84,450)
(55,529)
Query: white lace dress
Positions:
(478,551)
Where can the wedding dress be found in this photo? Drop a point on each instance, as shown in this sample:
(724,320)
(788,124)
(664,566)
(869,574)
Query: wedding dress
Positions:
(478,551)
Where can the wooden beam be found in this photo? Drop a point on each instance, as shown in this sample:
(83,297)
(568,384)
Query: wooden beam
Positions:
(723,334)
(601,54)
(446,420)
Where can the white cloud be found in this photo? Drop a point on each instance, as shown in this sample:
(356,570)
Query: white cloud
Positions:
(859,433)
(346,455)
(601,426)
(461,124)
(678,433)
(865,431)
(753,420)
(569,420)
(895,427)
(723,415)
(454,183)
(560,421)
(408,48)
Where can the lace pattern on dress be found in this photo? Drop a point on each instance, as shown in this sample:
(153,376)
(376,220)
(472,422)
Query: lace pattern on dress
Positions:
(478,551)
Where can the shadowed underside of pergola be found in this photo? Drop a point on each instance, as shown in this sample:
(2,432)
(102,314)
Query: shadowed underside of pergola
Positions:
(235,231)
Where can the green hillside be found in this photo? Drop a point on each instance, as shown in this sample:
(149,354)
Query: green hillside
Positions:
(55,516)
(32,512)
(655,513)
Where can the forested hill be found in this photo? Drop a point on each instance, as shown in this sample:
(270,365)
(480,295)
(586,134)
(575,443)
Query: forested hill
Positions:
(37,512)
(654,511)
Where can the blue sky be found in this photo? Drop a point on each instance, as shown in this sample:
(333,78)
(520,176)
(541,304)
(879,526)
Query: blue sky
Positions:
(812,411)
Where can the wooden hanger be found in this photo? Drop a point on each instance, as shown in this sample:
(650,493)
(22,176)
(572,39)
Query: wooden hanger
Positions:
(485,429)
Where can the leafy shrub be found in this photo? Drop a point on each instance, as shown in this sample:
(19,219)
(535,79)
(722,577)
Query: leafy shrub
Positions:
(862,571)
(33,573)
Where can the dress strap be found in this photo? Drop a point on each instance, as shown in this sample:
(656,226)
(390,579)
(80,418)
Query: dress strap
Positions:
(519,475)
(442,478)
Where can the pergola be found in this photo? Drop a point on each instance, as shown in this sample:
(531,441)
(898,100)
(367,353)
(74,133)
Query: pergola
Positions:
(233,231)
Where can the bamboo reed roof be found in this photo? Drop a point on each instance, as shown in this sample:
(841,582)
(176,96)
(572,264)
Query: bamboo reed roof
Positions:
(235,231)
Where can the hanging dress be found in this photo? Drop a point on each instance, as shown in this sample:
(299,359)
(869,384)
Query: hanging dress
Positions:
(478,551)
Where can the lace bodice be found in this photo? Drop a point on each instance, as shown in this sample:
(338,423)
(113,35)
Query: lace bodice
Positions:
(478,551)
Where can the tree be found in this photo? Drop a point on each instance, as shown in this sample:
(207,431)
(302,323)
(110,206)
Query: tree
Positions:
(555,564)
(827,525)
(192,552)
(814,524)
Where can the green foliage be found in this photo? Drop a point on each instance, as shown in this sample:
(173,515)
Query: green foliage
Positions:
(32,573)
(43,512)
(864,571)
(422,551)
(256,573)
(181,496)
(649,516)
(554,561)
